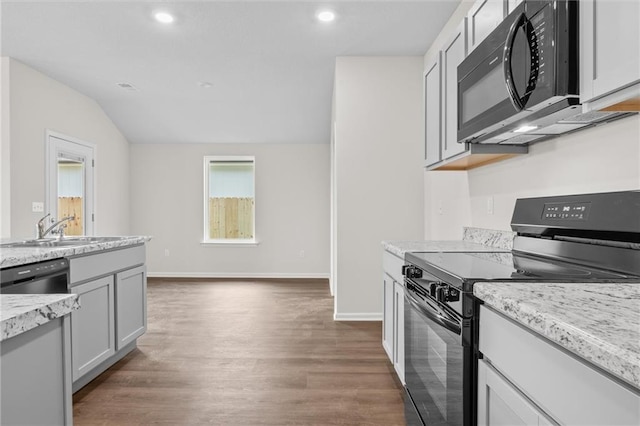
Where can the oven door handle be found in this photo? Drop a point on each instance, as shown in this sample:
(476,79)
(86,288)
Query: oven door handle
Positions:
(431,313)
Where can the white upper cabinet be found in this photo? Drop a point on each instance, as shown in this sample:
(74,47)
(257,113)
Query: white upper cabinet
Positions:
(453,52)
(609,52)
(483,17)
(432,112)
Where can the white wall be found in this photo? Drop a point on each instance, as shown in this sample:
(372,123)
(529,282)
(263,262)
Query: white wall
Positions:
(38,103)
(5,151)
(378,173)
(601,159)
(292,210)
(604,158)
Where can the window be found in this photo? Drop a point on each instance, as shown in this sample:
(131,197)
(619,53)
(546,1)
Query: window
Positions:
(229,202)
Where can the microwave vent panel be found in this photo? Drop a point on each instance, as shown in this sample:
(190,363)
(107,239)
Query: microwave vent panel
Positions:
(523,139)
(560,128)
(590,117)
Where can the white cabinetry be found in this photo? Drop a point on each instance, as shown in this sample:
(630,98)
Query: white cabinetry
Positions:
(548,382)
(398,329)
(92,326)
(35,378)
(609,53)
(393,315)
(131,302)
(483,17)
(501,403)
(112,288)
(432,111)
(442,150)
(453,52)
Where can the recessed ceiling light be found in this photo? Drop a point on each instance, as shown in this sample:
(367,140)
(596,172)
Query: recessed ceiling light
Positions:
(164,17)
(524,129)
(326,16)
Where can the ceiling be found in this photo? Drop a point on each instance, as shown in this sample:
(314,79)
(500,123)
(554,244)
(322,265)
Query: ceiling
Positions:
(270,64)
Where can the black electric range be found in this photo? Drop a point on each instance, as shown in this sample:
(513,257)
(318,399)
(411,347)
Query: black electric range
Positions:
(589,238)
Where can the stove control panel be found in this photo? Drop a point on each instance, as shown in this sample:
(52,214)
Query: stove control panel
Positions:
(566,211)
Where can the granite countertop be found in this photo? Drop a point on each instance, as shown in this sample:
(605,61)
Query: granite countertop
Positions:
(14,256)
(597,322)
(473,240)
(22,312)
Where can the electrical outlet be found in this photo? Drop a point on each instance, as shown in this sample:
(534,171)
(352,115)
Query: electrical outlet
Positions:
(301,253)
(166,252)
(489,205)
(37,207)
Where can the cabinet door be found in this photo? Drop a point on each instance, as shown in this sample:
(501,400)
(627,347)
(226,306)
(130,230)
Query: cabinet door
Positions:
(398,341)
(387,317)
(453,53)
(131,305)
(499,403)
(92,326)
(483,17)
(35,378)
(432,112)
(610,46)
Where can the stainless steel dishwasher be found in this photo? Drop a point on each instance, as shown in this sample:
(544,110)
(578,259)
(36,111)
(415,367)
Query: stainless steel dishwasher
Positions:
(48,277)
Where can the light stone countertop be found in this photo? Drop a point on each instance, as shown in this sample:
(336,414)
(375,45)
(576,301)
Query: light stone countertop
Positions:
(14,256)
(23,312)
(473,240)
(596,321)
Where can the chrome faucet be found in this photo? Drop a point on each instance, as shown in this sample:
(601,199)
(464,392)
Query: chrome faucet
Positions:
(59,224)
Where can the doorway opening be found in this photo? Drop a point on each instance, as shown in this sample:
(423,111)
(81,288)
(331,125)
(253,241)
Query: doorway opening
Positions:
(70,183)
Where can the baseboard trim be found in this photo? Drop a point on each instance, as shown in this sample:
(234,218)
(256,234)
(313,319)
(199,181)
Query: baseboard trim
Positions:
(281,275)
(373,316)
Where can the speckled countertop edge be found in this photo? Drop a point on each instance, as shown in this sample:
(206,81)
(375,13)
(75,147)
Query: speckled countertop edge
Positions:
(23,312)
(598,322)
(20,256)
(473,239)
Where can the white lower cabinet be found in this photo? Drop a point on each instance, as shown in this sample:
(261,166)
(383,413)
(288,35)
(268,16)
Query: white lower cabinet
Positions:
(112,288)
(525,379)
(131,305)
(500,403)
(35,378)
(92,326)
(393,311)
(398,332)
(387,316)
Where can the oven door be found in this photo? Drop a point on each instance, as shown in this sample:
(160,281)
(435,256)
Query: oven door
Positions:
(437,365)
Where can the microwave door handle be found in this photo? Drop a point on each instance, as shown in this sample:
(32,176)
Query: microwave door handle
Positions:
(514,97)
(433,314)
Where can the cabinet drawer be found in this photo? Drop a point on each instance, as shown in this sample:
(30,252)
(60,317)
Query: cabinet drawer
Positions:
(392,265)
(569,390)
(95,265)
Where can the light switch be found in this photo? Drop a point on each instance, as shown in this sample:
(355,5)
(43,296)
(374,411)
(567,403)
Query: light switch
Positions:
(37,206)
(489,205)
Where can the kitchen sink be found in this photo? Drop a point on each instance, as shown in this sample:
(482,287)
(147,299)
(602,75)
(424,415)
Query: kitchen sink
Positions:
(54,242)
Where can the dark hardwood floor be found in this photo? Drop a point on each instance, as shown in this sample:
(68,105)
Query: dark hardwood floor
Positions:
(232,352)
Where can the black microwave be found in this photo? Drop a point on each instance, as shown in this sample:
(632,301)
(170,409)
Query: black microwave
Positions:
(522,77)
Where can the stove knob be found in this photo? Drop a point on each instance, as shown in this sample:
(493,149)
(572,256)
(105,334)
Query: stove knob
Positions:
(433,286)
(442,293)
(413,272)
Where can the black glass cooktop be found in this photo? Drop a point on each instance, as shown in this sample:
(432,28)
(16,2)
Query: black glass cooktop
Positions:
(493,266)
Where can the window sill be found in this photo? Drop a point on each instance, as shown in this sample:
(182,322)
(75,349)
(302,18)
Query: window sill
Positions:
(230,243)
